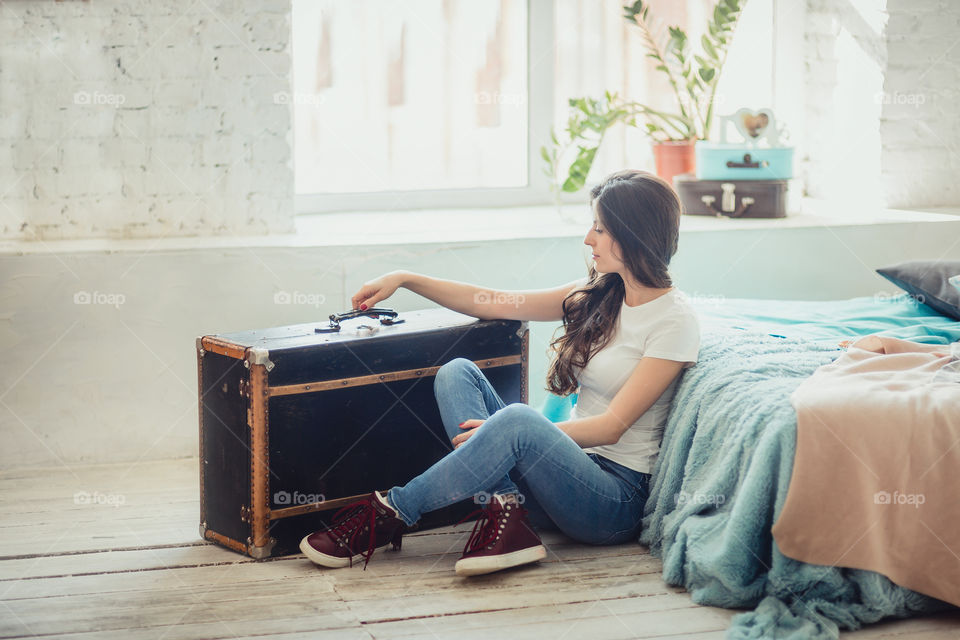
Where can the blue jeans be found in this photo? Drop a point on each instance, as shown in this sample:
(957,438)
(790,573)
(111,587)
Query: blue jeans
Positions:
(517,450)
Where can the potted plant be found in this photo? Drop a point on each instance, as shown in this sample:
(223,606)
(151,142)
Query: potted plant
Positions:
(693,78)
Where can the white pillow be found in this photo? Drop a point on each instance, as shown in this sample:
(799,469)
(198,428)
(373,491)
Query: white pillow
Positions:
(955,281)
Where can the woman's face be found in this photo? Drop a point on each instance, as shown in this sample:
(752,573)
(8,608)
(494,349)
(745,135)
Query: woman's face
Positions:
(605,248)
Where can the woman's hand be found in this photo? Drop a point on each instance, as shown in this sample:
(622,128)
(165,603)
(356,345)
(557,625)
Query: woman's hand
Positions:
(377,290)
(471,426)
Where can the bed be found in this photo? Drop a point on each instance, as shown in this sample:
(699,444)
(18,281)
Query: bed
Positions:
(727,455)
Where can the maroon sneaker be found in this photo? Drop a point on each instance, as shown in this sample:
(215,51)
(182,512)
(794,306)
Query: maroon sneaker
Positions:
(501,538)
(349,536)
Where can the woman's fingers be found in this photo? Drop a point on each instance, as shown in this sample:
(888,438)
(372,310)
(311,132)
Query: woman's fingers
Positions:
(473,424)
(366,296)
(463,437)
(376,291)
(369,296)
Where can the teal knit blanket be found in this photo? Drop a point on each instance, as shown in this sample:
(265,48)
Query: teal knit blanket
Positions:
(720,482)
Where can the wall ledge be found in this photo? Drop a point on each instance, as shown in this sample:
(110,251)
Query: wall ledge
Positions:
(455,226)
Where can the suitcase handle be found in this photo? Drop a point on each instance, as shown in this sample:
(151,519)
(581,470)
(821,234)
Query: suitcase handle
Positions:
(374,312)
(745,204)
(747,163)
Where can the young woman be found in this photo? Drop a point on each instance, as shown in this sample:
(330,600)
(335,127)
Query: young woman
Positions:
(627,335)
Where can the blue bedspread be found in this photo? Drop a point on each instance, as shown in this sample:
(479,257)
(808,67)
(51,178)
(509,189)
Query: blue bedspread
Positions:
(727,455)
(897,317)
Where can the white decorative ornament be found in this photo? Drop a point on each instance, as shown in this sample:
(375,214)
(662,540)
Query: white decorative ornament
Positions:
(752,125)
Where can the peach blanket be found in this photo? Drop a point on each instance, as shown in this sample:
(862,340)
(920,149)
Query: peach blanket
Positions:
(876,474)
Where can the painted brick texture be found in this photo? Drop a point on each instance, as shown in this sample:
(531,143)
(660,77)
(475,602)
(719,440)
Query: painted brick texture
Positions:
(126,118)
(881,89)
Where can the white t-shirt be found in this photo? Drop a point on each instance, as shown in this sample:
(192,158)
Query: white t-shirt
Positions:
(667,328)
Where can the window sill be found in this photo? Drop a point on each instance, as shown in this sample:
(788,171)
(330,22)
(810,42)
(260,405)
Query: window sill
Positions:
(431,226)
(484,225)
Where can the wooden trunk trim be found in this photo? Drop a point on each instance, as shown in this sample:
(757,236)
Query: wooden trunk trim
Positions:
(525,367)
(326,385)
(301,509)
(259,457)
(223,540)
(223,348)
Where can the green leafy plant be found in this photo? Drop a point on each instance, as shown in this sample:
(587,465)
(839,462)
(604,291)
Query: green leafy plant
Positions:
(693,78)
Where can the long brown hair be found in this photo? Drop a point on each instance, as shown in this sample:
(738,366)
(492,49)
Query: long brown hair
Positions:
(641,212)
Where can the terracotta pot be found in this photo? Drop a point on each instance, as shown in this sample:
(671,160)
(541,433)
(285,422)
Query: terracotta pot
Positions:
(673,158)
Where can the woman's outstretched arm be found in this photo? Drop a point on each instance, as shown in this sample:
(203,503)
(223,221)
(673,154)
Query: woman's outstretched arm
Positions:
(473,300)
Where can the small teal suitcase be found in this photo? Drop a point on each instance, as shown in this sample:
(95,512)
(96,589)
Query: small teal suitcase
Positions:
(760,156)
(737,161)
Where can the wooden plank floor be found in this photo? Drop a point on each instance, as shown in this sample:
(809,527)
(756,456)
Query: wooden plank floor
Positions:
(112,551)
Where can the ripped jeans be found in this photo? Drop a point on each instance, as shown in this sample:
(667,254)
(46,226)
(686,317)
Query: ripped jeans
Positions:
(518,450)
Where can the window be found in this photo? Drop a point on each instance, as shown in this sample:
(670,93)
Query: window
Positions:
(598,50)
(446,103)
(410,96)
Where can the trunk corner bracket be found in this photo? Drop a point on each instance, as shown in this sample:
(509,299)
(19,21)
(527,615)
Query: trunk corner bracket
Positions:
(259,553)
(258,356)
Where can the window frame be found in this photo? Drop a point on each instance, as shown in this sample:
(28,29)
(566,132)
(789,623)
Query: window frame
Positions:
(540,87)
(540,50)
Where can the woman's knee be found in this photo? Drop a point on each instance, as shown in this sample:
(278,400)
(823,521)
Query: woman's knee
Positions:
(454,372)
(520,417)
(520,411)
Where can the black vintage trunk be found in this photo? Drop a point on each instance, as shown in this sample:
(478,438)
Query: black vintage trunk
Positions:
(294,424)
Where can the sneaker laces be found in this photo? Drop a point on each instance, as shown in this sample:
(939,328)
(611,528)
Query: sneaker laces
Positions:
(348,521)
(485,529)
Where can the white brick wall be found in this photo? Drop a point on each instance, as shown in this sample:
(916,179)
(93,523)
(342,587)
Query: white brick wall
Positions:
(920,126)
(881,87)
(128,118)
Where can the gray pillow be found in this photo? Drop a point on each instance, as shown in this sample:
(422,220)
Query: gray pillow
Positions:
(926,280)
